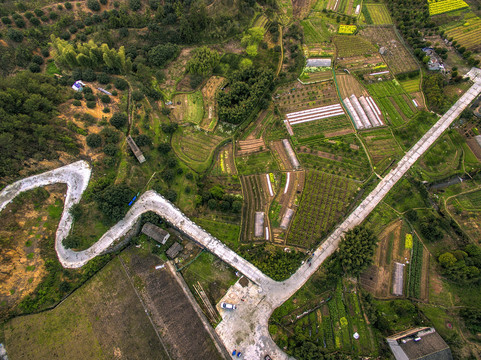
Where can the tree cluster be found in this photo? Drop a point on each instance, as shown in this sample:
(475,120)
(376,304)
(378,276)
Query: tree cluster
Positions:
(215,198)
(247,87)
(29,127)
(203,61)
(357,249)
(462,265)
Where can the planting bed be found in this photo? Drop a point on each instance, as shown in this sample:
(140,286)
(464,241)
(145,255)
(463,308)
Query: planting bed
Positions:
(225,162)
(382,147)
(195,147)
(281,155)
(348,85)
(323,127)
(256,198)
(208,92)
(314,114)
(245,147)
(376,14)
(328,319)
(355,45)
(362,64)
(315,31)
(442,6)
(467,33)
(392,100)
(398,58)
(256,163)
(188,107)
(324,201)
(297,97)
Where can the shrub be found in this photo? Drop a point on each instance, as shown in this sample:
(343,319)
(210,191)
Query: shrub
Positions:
(65,35)
(103,78)
(44,18)
(93,5)
(71,242)
(6,20)
(106,110)
(89,75)
(121,84)
(137,95)
(59,7)
(35,68)
(73,29)
(154,4)
(103,2)
(78,96)
(118,120)
(38,12)
(15,35)
(105,99)
(20,22)
(53,16)
(86,90)
(90,97)
(110,149)
(76,103)
(143,140)
(135,5)
(34,21)
(94,140)
(37,59)
(91,104)
(114,93)
(68,6)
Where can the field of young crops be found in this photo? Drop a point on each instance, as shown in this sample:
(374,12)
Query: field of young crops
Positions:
(437,7)
(470,201)
(324,201)
(415,270)
(297,97)
(195,147)
(314,31)
(411,85)
(468,33)
(348,46)
(398,58)
(392,100)
(347,29)
(376,14)
(382,147)
(323,126)
(255,199)
(331,322)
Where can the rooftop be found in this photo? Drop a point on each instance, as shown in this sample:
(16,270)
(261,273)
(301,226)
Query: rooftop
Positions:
(156,233)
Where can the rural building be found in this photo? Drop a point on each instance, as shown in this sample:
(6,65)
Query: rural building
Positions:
(259,224)
(156,233)
(135,149)
(319,63)
(174,250)
(419,344)
(435,63)
(398,279)
(78,85)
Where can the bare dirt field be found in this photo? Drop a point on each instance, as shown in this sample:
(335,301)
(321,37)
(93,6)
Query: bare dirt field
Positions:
(250,146)
(182,330)
(348,85)
(208,92)
(25,223)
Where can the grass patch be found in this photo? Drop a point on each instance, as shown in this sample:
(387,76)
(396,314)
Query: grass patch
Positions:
(225,232)
(256,163)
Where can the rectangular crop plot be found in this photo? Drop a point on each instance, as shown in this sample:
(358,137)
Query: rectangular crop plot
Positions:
(189,107)
(382,147)
(468,33)
(396,55)
(376,14)
(355,45)
(297,97)
(443,6)
(411,85)
(328,127)
(314,34)
(393,101)
(324,201)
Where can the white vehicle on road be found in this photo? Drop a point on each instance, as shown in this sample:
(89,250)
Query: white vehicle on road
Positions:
(228,306)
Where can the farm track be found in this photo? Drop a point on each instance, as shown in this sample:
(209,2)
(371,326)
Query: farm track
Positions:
(247,327)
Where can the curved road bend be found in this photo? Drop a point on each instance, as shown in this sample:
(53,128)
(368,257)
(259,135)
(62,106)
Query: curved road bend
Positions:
(246,328)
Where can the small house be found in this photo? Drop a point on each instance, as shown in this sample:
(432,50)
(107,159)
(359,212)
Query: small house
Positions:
(174,250)
(420,344)
(78,85)
(156,233)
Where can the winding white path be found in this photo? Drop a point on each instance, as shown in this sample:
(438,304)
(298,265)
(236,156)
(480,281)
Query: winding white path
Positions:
(245,328)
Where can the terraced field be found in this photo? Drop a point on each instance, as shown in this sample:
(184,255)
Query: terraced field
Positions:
(324,201)
(468,33)
(195,147)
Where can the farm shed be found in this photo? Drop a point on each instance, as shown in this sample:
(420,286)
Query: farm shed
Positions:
(135,149)
(174,250)
(398,279)
(259,224)
(319,63)
(286,219)
(420,344)
(292,155)
(156,233)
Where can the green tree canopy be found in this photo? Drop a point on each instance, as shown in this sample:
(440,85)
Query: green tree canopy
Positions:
(357,249)
(203,61)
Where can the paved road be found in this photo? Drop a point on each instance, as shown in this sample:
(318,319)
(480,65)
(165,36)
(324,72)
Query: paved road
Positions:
(246,328)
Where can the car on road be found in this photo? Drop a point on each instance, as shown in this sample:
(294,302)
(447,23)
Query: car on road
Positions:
(267,357)
(228,306)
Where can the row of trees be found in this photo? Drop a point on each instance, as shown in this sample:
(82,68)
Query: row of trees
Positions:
(90,55)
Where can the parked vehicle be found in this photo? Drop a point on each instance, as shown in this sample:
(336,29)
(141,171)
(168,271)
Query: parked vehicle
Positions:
(228,306)
(267,357)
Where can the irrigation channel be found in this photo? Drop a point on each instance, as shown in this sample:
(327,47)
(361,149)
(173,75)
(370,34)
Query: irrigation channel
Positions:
(246,328)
